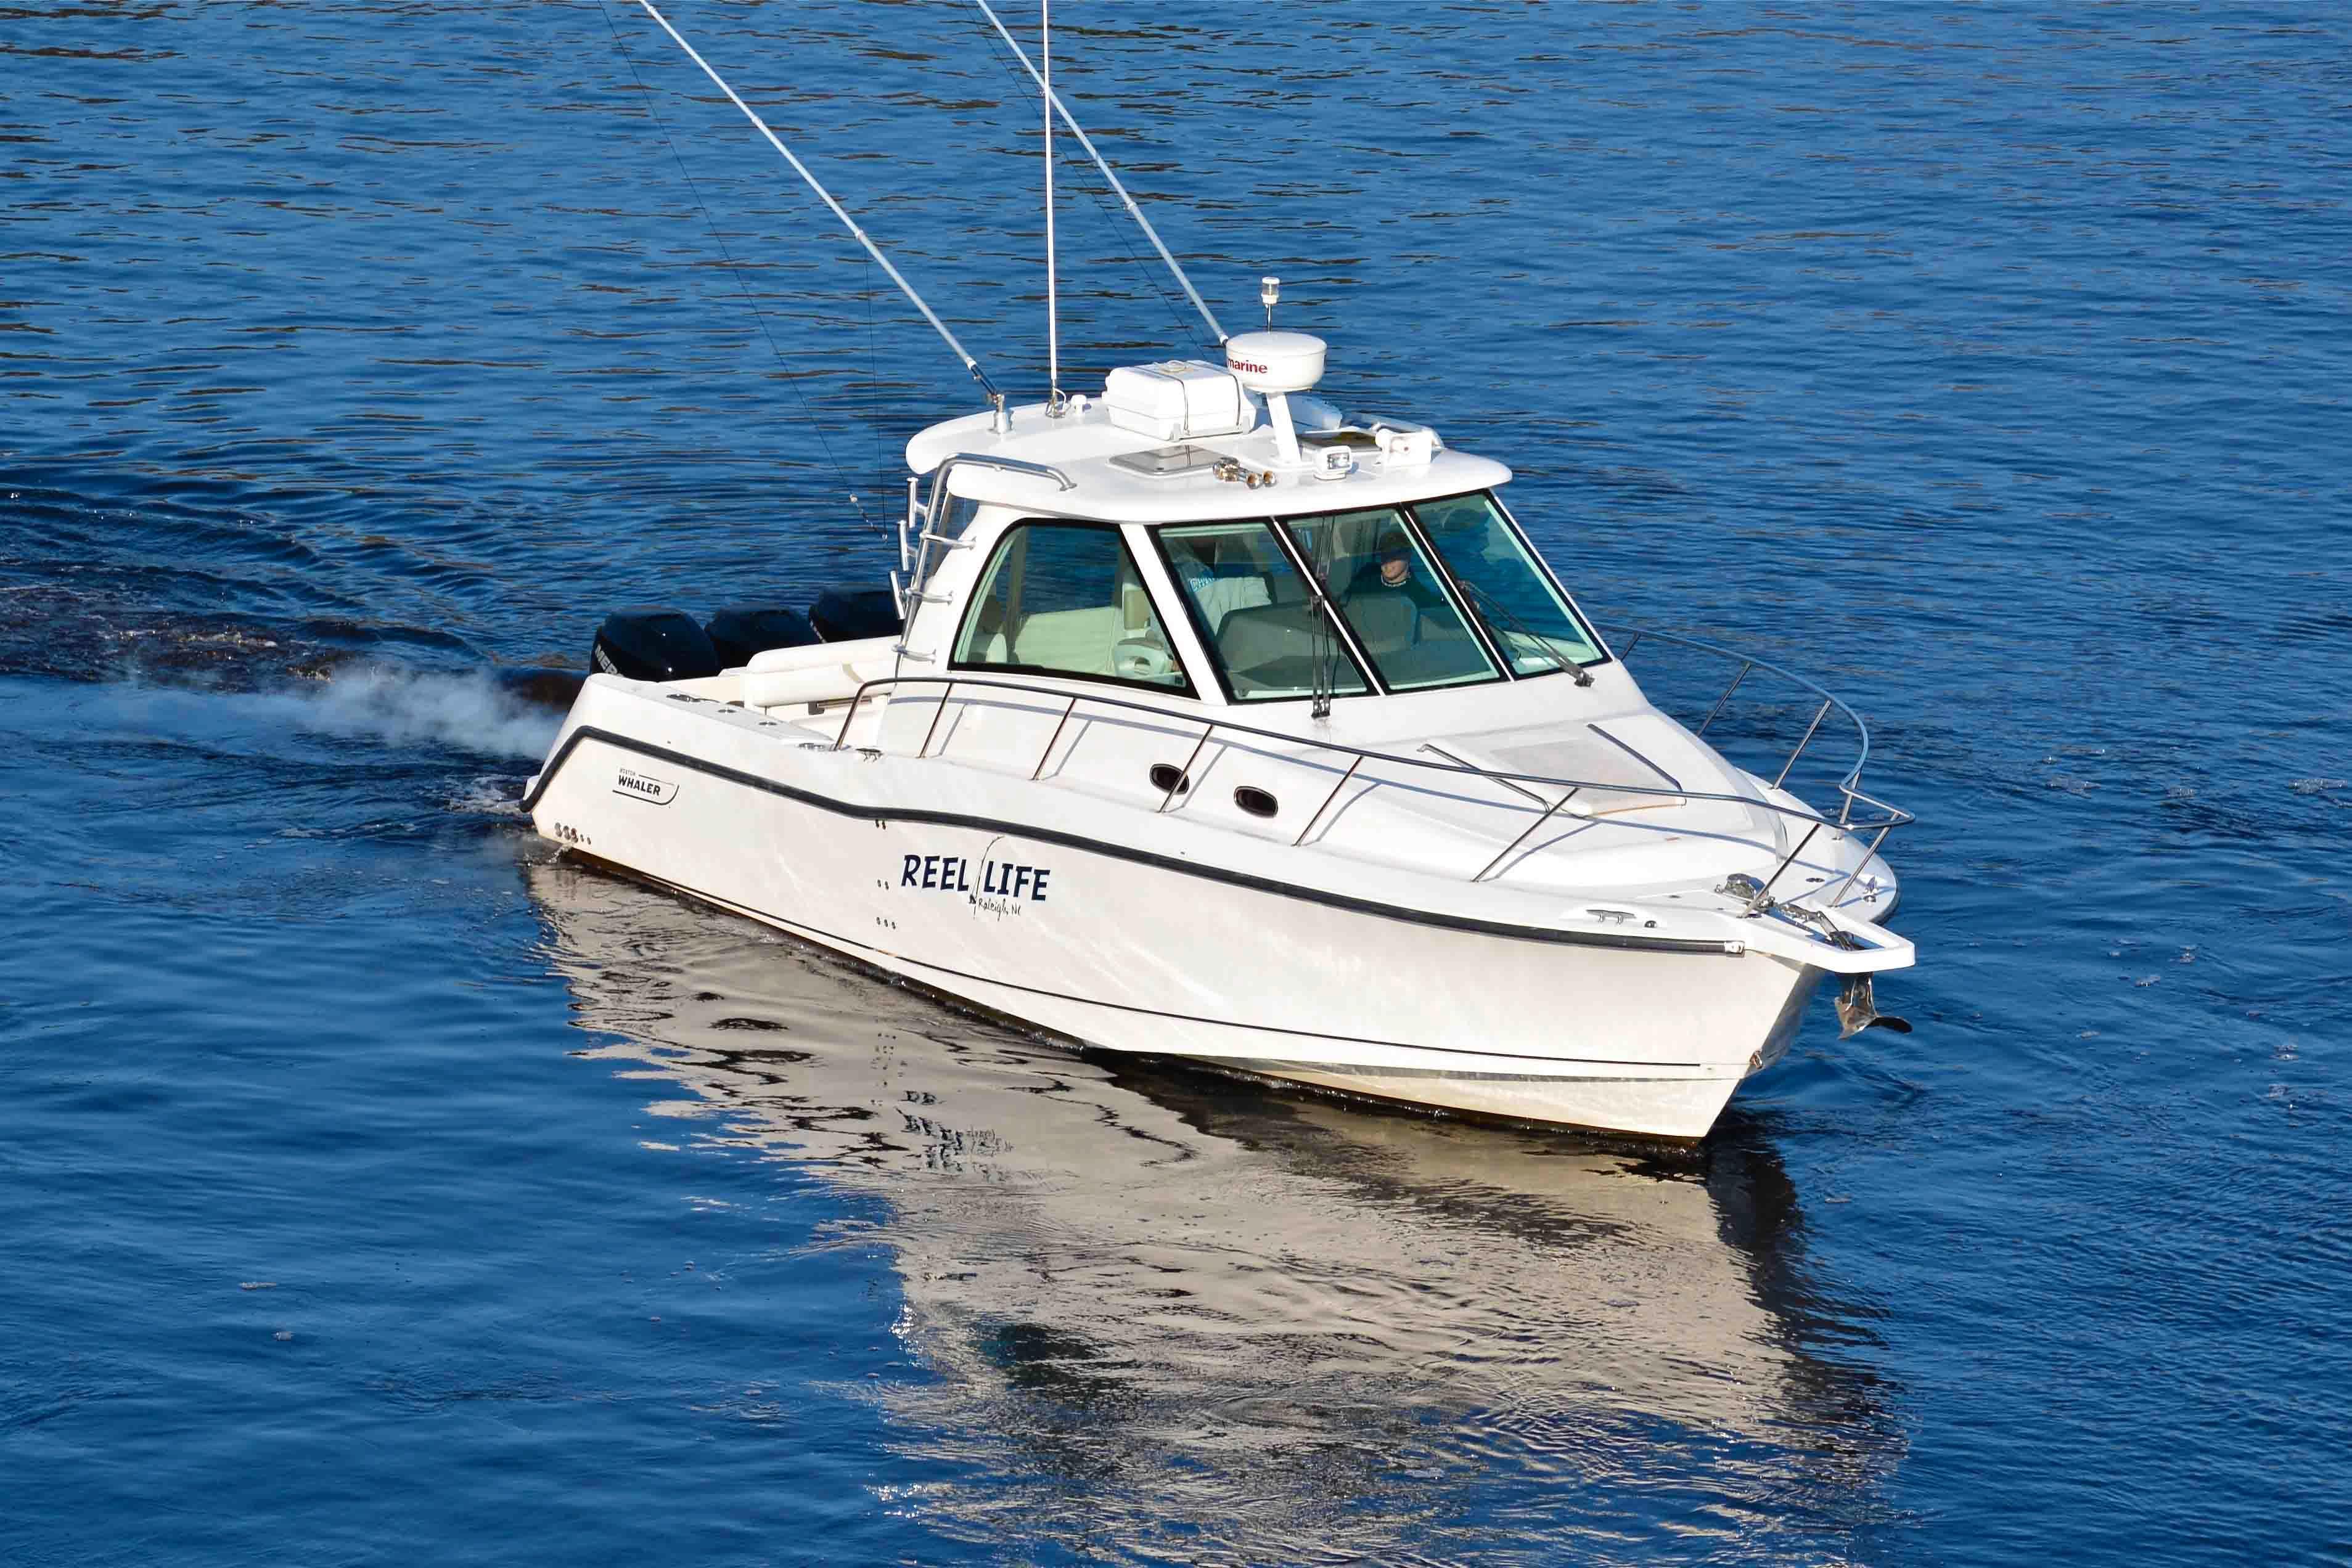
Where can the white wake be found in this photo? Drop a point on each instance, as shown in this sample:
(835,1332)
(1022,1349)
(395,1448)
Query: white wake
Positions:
(408,707)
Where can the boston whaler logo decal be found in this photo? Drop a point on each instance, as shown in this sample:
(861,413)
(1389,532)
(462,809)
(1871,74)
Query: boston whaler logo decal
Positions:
(637,787)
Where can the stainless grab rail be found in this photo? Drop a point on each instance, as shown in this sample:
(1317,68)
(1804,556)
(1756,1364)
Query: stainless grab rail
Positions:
(1849,785)
(1858,812)
(928,514)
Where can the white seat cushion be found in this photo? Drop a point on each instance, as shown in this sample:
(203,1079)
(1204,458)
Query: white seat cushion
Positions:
(815,671)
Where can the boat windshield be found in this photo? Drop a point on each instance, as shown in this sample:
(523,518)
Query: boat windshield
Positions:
(1530,623)
(1250,607)
(1395,600)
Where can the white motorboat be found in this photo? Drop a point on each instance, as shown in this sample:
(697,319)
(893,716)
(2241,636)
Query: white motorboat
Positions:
(1208,721)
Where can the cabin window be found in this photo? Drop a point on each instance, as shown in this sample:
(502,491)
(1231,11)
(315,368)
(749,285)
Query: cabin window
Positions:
(1063,599)
(1249,604)
(1395,599)
(1529,622)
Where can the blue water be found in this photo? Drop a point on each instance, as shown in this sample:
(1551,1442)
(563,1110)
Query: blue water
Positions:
(378,1187)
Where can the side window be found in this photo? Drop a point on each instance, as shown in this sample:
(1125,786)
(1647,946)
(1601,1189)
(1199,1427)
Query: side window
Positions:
(962,509)
(1063,599)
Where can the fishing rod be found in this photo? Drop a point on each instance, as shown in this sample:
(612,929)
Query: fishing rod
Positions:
(905,288)
(1054,100)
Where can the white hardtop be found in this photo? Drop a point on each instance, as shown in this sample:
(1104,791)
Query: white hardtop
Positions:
(1083,442)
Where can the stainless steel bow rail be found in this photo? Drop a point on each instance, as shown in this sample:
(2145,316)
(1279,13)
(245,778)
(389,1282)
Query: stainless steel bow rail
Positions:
(1858,812)
(1851,794)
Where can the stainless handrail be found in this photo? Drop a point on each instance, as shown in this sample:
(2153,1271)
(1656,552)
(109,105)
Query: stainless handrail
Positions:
(1010,465)
(1876,816)
(1211,724)
(1849,786)
(919,572)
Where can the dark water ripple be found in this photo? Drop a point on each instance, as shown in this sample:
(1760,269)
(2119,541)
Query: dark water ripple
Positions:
(378,1187)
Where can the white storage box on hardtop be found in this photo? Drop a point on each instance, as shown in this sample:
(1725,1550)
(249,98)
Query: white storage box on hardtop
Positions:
(1177,399)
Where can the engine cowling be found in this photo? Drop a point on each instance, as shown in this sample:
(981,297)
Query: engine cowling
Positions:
(653,645)
(851,614)
(738,634)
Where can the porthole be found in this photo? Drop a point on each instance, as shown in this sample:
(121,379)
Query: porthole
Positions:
(1255,802)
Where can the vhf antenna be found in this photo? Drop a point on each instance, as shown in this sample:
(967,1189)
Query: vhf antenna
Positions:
(1054,401)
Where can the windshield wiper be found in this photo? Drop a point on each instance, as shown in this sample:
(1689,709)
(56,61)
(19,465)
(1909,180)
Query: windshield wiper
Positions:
(1489,602)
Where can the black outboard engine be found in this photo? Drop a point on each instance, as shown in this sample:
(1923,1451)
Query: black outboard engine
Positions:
(848,614)
(738,634)
(650,645)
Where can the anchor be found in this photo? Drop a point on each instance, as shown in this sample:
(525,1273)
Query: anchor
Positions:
(1858,1010)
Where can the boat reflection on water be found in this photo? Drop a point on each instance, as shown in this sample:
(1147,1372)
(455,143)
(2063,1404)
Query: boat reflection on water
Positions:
(1170,1307)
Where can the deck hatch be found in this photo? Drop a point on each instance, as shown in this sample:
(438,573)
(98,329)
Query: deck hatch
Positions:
(1169,462)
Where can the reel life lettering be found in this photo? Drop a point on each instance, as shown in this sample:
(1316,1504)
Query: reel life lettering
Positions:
(952,874)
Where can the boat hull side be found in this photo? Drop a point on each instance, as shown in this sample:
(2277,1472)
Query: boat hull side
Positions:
(1147,959)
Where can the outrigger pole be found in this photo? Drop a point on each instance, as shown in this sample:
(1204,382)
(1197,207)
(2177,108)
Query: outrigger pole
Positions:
(1053,101)
(824,195)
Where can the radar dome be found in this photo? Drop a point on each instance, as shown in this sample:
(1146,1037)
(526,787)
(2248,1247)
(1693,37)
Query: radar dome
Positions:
(1275,361)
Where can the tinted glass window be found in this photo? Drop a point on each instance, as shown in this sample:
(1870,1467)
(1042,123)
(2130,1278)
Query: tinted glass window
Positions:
(1252,609)
(1394,598)
(1067,600)
(1523,611)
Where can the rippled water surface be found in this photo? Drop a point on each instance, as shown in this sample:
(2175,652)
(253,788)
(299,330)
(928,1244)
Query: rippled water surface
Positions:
(379,1186)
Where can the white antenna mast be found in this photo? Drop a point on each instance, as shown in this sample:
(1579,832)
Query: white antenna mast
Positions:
(849,223)
(1055,105)
(1054,400)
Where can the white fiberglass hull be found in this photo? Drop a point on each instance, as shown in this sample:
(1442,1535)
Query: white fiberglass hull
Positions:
(1109,927)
